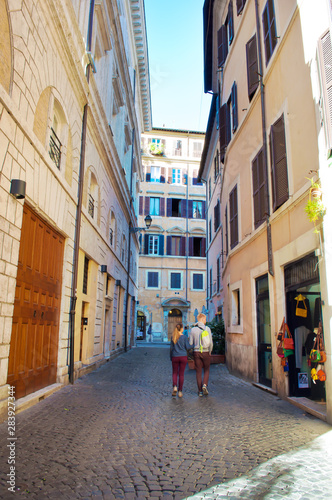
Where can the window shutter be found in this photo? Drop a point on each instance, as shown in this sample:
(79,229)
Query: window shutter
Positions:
(148,174)
(226,230)
(204,210)
(183,208)
(223,129)
(279,163)
(203,247)
(191,246)
(215,218)
(169,207)
(183,246)
(147,205)
(252,67)
(162,207)
(184,178)
(222,45)
(325,67)
(240,5)
(169,245)
(161,244)
(195,173)
(230,22)
(190,209)
(233,217)
(141,202)
(162,174)
(234,107)
(259,189)
(146,244)
(169,180)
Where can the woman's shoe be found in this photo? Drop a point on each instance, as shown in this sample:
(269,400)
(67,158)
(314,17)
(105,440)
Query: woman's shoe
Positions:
(175,390)
(180,394)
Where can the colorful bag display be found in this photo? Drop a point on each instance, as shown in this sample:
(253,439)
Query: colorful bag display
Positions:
(288,339)
(301,311)
(314,355)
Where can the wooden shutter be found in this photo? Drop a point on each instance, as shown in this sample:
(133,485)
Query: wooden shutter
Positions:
(146,244)
(204,210)
(226,230)
(183,246)
(252,67)
(234,107)
(259,189)
(161,244)
(169,180)
(222,45)
(162,207)
(215,218)
(190,209)
(279,163)
(230,22)
(233,217)
(169,207)
(223,129)
(203,247)
(195,173)
(169,245)
(240,5)
(162,175)
(325,67)
(141,202)
(183,208)
(191,246)
(148,174)
(147,205)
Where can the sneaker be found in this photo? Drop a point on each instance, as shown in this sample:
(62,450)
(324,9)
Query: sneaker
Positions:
(205,391)
(200,394)
(175,390)
(180,394)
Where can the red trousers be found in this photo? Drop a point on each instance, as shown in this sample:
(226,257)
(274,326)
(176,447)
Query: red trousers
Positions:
(179,366)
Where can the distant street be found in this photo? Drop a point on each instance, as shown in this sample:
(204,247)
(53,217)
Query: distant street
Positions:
(118,433)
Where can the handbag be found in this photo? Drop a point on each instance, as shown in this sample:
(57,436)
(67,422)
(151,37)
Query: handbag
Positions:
(301,311)
(280,337)
(280,350)
(288,341)
(314,355)
(288,352)
(320,345)
(321,374)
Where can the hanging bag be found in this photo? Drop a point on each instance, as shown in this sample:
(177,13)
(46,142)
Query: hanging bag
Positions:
(315,356)
(301,311)
(288,339)
(320,344)
(280,337)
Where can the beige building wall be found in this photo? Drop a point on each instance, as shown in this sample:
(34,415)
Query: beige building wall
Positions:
(292,91)
(44,88)
(181,239)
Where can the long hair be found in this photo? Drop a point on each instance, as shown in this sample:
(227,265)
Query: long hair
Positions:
(177,332)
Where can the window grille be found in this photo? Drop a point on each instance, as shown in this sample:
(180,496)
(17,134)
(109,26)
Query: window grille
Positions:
(55,148)
(91,206)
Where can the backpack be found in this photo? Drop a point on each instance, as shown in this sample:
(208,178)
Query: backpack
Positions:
(204,340)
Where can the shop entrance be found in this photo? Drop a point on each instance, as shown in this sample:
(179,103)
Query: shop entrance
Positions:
(264,331)
(303,292)
(174,317)
(141,326)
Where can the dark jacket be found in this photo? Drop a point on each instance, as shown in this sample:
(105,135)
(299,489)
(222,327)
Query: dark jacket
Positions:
(180,348)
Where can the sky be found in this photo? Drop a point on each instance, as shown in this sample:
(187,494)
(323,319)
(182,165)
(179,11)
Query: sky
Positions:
(175,46)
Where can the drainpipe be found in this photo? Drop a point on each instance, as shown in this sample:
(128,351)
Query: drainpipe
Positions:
(187,222)
(267,197)
(73,298)
(129,228)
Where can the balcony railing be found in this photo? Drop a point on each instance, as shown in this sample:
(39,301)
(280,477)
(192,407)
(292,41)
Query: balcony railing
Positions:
(55,148)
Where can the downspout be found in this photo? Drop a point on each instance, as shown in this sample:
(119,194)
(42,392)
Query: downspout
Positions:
(73,298)
(187,223)
(267,197)
(130,226)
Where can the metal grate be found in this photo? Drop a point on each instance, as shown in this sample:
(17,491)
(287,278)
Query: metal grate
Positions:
(85,275)
(91,206)
(55,148)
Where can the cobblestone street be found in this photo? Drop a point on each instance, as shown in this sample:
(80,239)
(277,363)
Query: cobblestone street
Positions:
(118,433)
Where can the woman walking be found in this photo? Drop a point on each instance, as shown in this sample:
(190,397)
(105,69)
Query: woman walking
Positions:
(178,353)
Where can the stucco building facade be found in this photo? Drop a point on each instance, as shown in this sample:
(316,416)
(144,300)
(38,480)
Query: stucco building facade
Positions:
(172,264)
(267,64)
(74,99)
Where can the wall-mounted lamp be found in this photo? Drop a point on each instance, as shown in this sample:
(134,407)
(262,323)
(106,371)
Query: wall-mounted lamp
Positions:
(147,220)
(17,188)
(103,268)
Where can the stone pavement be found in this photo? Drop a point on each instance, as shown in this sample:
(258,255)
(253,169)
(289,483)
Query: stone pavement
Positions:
(117,433)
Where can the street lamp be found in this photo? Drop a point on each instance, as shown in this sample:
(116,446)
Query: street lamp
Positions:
(148,221)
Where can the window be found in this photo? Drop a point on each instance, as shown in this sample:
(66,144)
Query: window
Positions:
(177,148)
(153,245)
(217,216)
(93,197)
(198,210)
(197,246)
(85,275)
(279,163)
(112,232)
(176,176)
(197,149)
(210,188)
(55,147)
(218,274)
(176,245)
(236,310)
(228,120)
(155,174)
(154,206)
(210,230)
(195,181)
(176,207)
(259,189)
(211,283)
(233,217)
(91,206)
(152,280)
(252,67)
(175,281)
(226,230)
(111,236)
(269,29)
(240,6)
(198,281)
(230,23)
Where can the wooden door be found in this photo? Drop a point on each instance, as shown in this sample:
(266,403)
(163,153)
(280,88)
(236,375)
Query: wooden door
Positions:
(35,331)
(172,322)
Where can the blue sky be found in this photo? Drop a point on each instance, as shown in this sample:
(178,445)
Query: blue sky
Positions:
(175,45)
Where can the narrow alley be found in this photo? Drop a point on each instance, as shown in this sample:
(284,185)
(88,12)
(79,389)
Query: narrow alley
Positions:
(118,433)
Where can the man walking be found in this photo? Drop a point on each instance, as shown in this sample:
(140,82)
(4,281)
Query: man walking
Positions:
(200,336)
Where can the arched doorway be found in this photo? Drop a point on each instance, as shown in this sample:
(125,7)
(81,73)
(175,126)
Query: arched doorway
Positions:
(174,317)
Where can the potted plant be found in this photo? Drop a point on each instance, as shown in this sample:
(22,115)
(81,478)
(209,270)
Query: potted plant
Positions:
(315,190)
(218,337)
(315,208)
(157,149)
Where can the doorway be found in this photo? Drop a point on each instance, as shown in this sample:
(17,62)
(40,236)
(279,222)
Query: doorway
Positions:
(141,326)
(263,331)
(174,317)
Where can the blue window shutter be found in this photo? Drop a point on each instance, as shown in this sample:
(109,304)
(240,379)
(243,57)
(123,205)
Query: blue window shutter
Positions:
(191,246)
(169,207)
(190,209)
(223,129)
(183,208)
(146,244)
(161,244)
(234,107)
(162,207)
(169,245)
(183,246)
(230,21)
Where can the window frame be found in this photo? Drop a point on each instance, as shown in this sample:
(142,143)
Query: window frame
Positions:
(147,279)
(192,281)
(180,273)
(153,202)
(177,176)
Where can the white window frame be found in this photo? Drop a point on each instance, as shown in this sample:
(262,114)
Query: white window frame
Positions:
(154,245)
(192,282)
(169,280)
(147,277)
(236,324)
(176,176)
(155,174)
(153,207)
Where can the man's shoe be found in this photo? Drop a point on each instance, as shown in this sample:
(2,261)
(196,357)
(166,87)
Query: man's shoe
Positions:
(180,394)
(205,391)
(175,390)
(200,394)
